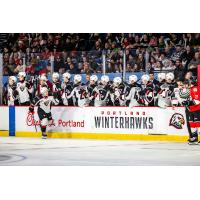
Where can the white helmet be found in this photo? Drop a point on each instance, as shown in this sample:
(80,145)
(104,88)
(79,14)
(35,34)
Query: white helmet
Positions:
(161,77)
(22,74)
(43,78)
(43,91)
(13,78)
(105,79)
(117,81)
(77,78)
(66,75)
(94,78)
(55,75)
(132,79)
(145,77)
(170,76)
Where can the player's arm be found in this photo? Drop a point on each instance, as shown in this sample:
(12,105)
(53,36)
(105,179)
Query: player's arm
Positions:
(129,93)
(34,103)
(55,99)
(29,86)
(72,93)
(94,94)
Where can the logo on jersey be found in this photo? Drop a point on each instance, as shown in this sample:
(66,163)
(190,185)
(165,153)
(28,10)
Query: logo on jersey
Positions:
(46,103)
(177,121)
(22,88)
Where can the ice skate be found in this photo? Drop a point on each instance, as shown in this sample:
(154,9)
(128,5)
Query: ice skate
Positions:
(193,141)
(44,136)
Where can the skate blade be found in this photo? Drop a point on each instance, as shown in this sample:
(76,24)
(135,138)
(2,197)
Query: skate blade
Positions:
(44,137)
(193,143)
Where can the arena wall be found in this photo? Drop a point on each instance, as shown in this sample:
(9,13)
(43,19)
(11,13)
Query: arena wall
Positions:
(138,123)
(4,121)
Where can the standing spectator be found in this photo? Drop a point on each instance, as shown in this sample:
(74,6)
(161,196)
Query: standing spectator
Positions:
(179,72)
(178,53)
(192,66)
(187,55)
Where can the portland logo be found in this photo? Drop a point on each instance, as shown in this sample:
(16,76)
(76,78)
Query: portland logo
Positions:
(177,121)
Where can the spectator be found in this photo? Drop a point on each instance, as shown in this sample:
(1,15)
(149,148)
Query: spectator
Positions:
(158,66)
(192,66)
(187,55)
(86,69)
(179,72)
(140,63)
(59,65)
(73,69)
(161,47)
(19,67)
(188,76)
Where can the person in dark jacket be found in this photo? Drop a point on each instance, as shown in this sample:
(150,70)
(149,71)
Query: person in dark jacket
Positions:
(179,71)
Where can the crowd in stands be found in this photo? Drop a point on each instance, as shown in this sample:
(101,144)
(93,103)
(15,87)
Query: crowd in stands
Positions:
(82,53)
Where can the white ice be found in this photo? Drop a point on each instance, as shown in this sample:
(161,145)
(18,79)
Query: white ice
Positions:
(76,152)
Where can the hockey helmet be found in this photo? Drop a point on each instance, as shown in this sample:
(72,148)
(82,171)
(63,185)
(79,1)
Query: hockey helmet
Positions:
(104,79)
(77,78)
(161,77)
(132,79)
(170,76)
(55,76)
(13,79)
(145,78)
(44,91)
(117,81)
(66,75)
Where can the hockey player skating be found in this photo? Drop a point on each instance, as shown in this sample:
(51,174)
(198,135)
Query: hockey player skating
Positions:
(193,113)
(44,103)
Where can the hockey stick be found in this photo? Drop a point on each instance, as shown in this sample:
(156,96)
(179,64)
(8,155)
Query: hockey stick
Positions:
(34,122)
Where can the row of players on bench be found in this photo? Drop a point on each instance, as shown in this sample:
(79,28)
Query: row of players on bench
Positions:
(162,92)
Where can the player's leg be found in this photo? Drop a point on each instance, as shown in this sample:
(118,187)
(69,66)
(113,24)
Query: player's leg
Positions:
(193,124)
(44,123)
(188,119)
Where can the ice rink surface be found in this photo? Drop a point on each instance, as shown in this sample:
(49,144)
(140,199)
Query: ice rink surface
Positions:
(79,152)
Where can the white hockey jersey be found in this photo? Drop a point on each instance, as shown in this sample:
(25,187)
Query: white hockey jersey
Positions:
(133,96)
(164,96)
(80,93)
(23,89)
(100,95)
(45,103)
